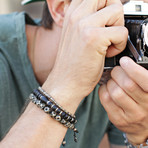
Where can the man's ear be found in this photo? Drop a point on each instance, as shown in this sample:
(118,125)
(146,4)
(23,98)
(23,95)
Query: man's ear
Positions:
(56,8)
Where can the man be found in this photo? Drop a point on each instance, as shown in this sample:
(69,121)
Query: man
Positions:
(69,63)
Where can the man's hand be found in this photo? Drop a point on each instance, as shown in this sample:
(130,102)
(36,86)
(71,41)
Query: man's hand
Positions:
(125,98)
(91,30)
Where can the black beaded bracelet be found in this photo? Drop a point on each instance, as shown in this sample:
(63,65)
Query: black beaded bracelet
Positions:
(51,98)
(54,110)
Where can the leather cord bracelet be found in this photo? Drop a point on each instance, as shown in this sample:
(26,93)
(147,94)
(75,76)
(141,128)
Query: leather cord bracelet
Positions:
(130,145)
(45,102)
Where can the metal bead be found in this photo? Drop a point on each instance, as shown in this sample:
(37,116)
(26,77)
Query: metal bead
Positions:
(31,96)
(71,126)
(67,124)
(64,142)
(75,130)
(63,121)
(34,100)
(38,102)
(58,118)
(53,114)
(46,109)
(42,105)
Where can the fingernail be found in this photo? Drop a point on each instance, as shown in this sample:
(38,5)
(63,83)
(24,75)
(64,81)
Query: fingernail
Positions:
(124,62)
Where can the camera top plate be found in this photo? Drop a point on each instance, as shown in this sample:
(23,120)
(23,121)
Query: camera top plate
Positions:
(136,8)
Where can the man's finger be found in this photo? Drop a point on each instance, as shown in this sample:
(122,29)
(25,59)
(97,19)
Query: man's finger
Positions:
(105,17)
(121,98)
(128,85)
(111,108)
(136,72)
(110,37)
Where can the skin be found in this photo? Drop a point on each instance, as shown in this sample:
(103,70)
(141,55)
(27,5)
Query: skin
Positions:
(79,48)
(125,100)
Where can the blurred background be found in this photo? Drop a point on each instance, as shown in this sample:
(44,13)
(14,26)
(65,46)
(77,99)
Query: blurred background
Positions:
(8,6)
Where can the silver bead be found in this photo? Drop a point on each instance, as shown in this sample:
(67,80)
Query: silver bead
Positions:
(38,102)
(71,126)
(42,105)
(34,100)
(64,142)
(53,114)
(46,109)
(67,124)
(31,96)
(58,118)
(63,121)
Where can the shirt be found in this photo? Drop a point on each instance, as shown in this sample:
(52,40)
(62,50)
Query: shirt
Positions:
(17,80)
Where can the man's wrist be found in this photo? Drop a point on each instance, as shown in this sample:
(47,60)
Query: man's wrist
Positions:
(137,144)
(68,99)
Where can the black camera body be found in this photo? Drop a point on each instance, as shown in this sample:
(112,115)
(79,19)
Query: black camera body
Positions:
(137,45)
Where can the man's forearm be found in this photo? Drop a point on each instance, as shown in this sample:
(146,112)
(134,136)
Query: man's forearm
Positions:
(34,129)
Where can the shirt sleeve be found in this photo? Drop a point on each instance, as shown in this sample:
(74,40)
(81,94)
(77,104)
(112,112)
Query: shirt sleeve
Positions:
(115,136)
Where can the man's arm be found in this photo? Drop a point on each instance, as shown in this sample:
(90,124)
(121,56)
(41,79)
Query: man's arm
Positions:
(34,129)
(78,68)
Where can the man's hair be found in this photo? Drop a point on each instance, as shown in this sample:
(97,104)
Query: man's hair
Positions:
(47,19)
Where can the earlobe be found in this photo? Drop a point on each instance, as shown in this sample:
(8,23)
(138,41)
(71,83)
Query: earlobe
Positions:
(56,8)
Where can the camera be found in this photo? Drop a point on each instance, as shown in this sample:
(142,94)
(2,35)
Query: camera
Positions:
(136,21)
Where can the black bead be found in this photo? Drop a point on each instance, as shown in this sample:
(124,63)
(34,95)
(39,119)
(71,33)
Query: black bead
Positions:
(72,120)
(69,119)
(63,115)
(43,98)
(49,103)
(58,111)
(54,107)
(36,93)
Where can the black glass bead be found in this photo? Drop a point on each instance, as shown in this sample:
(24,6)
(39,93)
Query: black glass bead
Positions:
(54,107)
(43,98)
(69,118)
(63,115)
(36,92)
(72,120)
(58,111)
(49,103)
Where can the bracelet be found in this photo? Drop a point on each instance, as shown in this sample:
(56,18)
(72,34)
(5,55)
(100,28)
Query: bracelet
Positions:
(130,145)
(50,98)
(45,102)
